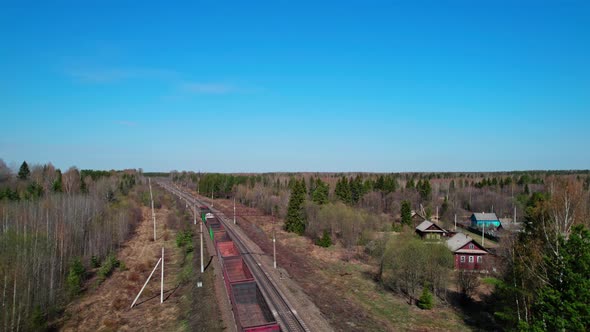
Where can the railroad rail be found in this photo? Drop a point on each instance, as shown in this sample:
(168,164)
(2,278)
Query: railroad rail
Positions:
(283,311)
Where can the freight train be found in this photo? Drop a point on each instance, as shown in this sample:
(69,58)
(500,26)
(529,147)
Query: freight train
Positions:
(251,311)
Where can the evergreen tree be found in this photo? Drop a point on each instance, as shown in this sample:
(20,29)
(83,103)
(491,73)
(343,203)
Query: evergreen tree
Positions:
(295,221)
(406,212)
(57,185)
(9,194)
(320,194)
(356,189)
(325,241)
(424,189)
(303,187)
(34,190)
(426,300)
(343,191)
(23,172)
(563,303)
(380,183)
(312,185)
(410,184)
(390,185)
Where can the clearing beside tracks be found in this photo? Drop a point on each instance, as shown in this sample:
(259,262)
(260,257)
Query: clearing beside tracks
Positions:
(106,307)
(339,285)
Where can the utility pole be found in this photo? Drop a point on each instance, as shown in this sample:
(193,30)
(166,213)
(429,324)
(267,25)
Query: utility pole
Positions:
(162,281)
(274,240)
(202,269)
(437,214)
(234,209)
(483,238)
(455,222)
(514,219)
(154,218)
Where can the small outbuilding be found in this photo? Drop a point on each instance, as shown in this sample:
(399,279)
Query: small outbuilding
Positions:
(430,231)
(487,220)
(469,255)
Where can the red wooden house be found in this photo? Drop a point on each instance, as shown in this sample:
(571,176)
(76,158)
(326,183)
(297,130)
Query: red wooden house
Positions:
(469,255)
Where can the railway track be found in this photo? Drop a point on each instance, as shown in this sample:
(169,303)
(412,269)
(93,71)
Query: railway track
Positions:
(287,317)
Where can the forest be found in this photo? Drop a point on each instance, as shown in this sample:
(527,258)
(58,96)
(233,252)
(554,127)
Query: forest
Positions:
(54,227)
(541,281)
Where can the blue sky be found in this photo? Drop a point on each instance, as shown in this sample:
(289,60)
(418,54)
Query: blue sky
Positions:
(240,86)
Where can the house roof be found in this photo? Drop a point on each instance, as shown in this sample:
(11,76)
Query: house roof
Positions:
(485,216)
(423,227)
(459,240)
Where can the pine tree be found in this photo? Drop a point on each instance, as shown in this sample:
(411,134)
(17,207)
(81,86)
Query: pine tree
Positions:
(356,189)
(295,221)
(390,185)
(424,189)
(320,194)
(57,185)
(380,183)
(425,301)
(343,191)
(563,303)
(23,172)
(406,212)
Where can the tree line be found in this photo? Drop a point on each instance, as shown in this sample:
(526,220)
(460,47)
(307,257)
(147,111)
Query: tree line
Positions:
(49,241)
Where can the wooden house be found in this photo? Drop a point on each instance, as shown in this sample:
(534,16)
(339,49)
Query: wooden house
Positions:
(430,231)
(469,255)
(487,220)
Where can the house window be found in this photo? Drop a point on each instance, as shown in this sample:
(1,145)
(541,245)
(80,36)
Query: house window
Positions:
(470,259)
(462,259)
(471,246)
(479,259)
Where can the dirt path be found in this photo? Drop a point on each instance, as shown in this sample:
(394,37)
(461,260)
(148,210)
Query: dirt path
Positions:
(107,307)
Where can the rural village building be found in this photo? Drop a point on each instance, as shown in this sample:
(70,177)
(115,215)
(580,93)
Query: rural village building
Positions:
(430,231)
(487,220)
(469,255)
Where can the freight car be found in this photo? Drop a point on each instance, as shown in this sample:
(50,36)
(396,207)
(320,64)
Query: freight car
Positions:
(251,311)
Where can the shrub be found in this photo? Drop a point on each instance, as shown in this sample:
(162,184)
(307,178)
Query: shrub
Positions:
(184,239)
(425,301)
(325,241)
(107,267)
(75,277)
(38,320)
(94,262)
